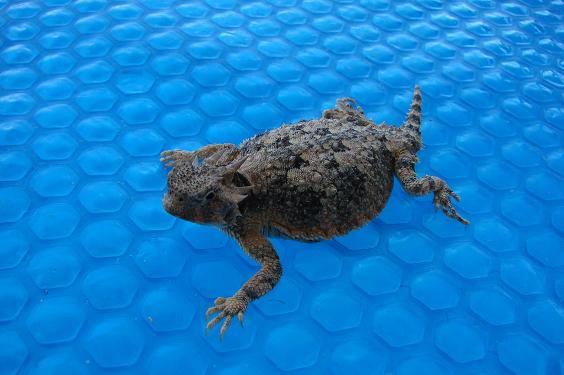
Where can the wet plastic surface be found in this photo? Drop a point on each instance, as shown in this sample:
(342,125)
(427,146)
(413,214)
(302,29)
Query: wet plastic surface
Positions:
(96,278)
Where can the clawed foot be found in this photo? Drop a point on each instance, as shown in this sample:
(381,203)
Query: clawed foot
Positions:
(226,308)
(345,103)
(171,156)
(442,200)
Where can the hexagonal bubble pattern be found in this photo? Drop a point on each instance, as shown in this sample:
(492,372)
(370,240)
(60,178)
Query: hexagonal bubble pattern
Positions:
(301,354)
(115,342)
(55,220)
(336,310)
(212,289)
(110,287)
(399,325)
(434,290)
(167,310)
(93,47)
(14,351)
(105,238)
(60,363)
(493,306)
(358,355)
(56,320)
(54,267)
(14,202)
(14,296)
(92,91)
(170,358)
(284,299)
(377,275)
(160,257)
(54,181)
(318,263)
(102,197)
(460,341)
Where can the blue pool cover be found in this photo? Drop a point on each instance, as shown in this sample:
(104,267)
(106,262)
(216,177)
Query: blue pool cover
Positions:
(96,278)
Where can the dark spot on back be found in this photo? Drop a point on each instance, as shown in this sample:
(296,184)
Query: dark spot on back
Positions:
(332,164)
(310,205)
(299,161)
(282,142)
(338,146)
(322,131)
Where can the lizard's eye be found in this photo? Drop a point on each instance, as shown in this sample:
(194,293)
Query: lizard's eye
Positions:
(210,195)
(181,199)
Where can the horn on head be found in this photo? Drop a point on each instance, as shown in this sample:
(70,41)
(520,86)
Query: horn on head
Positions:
(196,162)
(232,168)
(211,160)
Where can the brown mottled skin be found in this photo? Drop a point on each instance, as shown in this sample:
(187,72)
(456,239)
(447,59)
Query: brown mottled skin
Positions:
(308,181)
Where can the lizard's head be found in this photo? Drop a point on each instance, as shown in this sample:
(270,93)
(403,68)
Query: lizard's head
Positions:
(204,193)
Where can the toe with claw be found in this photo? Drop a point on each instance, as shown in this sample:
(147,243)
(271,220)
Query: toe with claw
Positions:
(225,308)
(442,200)
(169,157)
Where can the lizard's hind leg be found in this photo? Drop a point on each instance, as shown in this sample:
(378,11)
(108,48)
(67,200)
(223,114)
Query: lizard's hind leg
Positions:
(405,171)
(405,160)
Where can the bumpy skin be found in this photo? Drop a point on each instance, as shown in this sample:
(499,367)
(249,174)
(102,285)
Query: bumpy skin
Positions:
(308,181)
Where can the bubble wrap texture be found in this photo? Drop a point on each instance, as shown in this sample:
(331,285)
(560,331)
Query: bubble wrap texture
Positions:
(96,278)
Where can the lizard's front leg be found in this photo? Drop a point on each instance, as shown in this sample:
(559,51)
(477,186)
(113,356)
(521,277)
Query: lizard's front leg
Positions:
(405,171)
(210,150)
(260,249)
(220,150)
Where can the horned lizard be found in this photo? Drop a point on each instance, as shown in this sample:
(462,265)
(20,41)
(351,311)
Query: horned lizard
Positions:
(307,181)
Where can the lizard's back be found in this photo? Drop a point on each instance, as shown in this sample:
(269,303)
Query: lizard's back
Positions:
(317,179)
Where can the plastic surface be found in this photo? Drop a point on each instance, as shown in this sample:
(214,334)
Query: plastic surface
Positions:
(96,278)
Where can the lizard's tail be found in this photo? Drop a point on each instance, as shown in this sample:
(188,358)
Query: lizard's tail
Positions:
(413,120)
